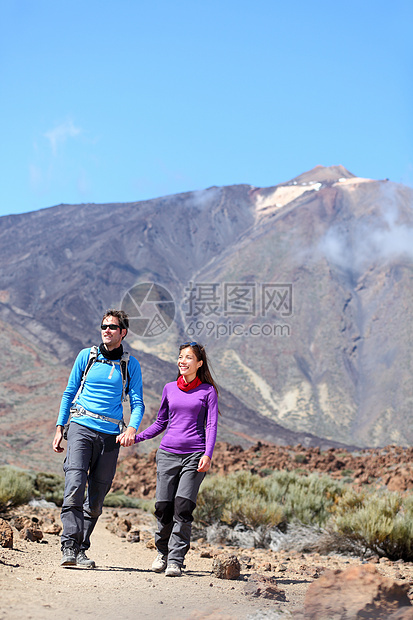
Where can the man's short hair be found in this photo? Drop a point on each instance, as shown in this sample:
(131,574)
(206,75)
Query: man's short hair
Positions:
(120,315)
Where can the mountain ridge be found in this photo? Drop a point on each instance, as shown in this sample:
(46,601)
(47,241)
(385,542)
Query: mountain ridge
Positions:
(340,242)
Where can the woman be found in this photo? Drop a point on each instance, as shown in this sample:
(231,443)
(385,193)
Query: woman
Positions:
(189,413)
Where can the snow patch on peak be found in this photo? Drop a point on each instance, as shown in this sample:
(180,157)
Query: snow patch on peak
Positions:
(283,195)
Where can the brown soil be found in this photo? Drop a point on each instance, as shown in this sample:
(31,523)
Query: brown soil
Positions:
(33,585)
(390,467)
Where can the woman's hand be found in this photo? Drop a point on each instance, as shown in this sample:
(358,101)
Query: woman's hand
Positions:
(204,463)
(127,438)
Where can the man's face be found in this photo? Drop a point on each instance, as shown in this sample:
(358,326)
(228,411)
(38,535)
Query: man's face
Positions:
(111,337)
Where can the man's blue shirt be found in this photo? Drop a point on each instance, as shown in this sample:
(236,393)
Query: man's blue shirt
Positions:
(102,393)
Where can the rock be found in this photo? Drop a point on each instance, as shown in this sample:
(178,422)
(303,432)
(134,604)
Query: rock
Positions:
(124,525)
(400,482)
(119,526)
(52,528)
(31,532)
(20,522)
(357,592)
(265,566)
(136,474)
(151,544)
(133,536)
(263,587)
(6,535)
(206,553)
(226,567)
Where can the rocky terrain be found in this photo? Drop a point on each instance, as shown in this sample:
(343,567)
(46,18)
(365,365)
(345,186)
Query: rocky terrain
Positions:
(390,467)
(220,582)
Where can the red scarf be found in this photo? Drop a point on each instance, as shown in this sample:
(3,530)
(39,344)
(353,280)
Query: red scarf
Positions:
(185,387)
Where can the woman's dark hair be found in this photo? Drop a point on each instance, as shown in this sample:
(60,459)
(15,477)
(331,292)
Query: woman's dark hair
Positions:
(203,371)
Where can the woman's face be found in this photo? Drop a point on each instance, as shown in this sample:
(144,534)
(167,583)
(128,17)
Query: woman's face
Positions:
(188,364)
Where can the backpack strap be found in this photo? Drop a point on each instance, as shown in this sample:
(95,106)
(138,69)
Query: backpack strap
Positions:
(124,360)
(94,351)
(123,363)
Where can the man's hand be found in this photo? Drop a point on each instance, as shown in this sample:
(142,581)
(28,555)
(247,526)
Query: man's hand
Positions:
(204,463)
(127,438)
(58,439)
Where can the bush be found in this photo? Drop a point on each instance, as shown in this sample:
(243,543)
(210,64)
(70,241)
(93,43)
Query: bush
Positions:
(50,487)
(118,499)
(211,501)
(16,487)
(381,522)
(300,458)
(308,499)
(248,499)
(253,512)
(247,507)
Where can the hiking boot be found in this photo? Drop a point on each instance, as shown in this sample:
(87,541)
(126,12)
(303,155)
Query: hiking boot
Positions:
(173,570)
(159,563)
(68,557)
(83,560)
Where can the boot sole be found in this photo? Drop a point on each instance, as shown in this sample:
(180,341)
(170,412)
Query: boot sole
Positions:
(86,565)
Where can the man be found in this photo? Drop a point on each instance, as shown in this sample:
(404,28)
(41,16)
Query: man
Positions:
(97,418)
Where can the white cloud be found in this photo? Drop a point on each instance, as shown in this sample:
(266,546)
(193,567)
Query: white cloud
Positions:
(367,242)
(206,198)
(61,133)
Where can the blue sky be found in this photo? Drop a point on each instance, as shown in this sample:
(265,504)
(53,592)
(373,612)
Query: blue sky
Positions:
(116,101)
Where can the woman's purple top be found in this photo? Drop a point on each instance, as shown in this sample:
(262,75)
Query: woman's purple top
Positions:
(190,419)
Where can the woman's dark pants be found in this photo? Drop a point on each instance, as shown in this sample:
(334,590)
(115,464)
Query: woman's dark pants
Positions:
(177,486)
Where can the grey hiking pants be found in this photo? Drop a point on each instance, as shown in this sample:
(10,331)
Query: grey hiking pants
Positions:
(91,459)
(177,486)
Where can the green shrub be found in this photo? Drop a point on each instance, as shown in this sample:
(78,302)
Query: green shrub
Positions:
(308,499)
(253,512)
(251,500)
(360,521)
(378,521)
(266,471)
(50,487)
(119,500)
(300,458)
(237,499)
(16,487)
(211,501)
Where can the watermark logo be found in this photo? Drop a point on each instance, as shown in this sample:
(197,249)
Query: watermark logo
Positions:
(219,310)
(238,299)
(212,309)
(151,309)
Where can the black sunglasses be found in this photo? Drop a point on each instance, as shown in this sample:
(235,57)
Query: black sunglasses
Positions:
(190,344)
(112,326)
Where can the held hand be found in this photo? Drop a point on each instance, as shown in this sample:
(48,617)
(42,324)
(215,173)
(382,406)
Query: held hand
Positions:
(127,438)
(204,463)
(57,440)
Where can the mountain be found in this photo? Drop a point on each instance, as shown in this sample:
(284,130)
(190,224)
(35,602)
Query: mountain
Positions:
(302,293)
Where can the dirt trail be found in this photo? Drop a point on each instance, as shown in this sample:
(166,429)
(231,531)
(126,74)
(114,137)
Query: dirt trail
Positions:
(33,585)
